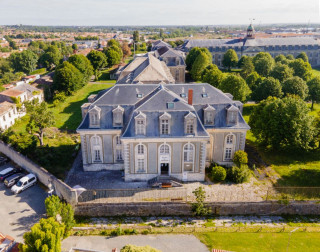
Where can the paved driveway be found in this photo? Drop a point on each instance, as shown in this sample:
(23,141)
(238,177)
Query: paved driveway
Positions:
(18,213)
(165,243)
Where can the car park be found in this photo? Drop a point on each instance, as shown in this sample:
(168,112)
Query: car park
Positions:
(7,172)
(24,183)
(10,181)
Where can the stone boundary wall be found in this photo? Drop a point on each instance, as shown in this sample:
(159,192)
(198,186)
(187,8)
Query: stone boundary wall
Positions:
(61,189)
(184,209)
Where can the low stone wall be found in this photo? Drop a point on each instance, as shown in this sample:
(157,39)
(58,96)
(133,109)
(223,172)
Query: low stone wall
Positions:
(184,209)
(61,189)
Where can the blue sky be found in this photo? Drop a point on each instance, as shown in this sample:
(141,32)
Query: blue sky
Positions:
(157,12)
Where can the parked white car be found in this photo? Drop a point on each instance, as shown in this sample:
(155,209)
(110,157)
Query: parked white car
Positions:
(24,183)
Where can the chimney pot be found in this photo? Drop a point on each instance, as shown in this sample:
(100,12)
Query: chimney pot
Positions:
(190,96)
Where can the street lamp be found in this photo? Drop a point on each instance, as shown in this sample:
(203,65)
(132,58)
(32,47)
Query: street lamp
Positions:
(290,237)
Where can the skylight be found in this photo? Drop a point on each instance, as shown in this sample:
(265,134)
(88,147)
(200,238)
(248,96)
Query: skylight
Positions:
(204,95)
(139,95)
(183,95)
(170,105)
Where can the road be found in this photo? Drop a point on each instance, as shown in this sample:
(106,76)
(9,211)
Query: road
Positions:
(18,213)
(165,243)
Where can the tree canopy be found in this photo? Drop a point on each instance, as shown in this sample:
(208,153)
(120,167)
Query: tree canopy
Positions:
(212,75)
(268,87)
(230,59)
(51,58)
(199,65)
(314,90)
(26,61)
(301,69)
(281,72)
(82,63)
(247,67)
(263,63)
(283,123)
(303,56)
(114,55)
(194,53)
(295,86)
(236,86)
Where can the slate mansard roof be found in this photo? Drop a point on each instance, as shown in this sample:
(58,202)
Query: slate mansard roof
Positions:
(154,103)
(293,41)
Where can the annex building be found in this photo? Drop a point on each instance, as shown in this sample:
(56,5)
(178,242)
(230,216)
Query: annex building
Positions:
(149,130)
(250,46)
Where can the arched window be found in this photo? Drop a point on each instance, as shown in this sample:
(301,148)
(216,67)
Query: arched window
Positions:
(141,158)
(96,149)
(188,157)
(164,149)
(117,149)
(229,147)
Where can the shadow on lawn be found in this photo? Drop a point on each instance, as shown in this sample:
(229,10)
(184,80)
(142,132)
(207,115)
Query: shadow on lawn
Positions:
(301,178)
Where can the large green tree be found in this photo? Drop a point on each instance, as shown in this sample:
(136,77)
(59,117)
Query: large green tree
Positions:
(283,123)
(301,69)
(247,67)
(67,78)
(253,80)
(44,236)
(230,59)
(212,75)
(263,63)
(281,59)
(236,86)
(114,55)
(51,58)
(314,90)
(26,61)
(199,65)
(40,118)
(281,72)
(136,36)
(303,56)
(295,86)
(268,87)
(82,63)
(98,60)
(194,53)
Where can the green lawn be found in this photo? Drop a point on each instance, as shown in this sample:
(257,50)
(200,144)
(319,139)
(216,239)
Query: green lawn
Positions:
(295,169)
(260,241)
(61,142)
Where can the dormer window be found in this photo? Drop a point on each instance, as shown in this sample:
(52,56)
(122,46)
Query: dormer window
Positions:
(118,116)
(190,124)
(208,115)
(165,122)
(94,117)
(232,115)
(140,124)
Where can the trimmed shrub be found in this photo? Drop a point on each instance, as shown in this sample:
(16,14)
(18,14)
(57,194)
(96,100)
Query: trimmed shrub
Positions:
(240,158)
(239,175)
(218,173)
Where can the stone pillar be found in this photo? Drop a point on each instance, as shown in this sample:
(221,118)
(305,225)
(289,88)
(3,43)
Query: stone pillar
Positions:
(242,141)
(84,149)
(203,154)
(126,158)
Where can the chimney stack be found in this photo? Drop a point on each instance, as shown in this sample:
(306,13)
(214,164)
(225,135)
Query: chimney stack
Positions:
(190,97)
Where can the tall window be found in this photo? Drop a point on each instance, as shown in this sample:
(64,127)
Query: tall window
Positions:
(140,127)
(229,147)
(141,158)
(188,157)
(190,126)
(165,127)
(209,116)
(164,149)
(96,148)
(117,116)
(118,148)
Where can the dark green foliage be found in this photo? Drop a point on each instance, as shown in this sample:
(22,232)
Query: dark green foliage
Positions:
(283,123)
(22,142)
(301,69)
(44,236)
(212,75)
(199,65)
(281,59)
(199,208)
(98,59)
(303,56)
(241,60)
(25,61)
(263,63)
(136,36)
(83,65)
(240,158)
(194,53)
(253,81)
(268,87)
(51,58)
(74,46)
(281,72)
(218,173)
(86,38)
(230,59)
(239,175)
(236,86)
(314,90)
(68,78)
(295,86)
(114,55)
(247,67)
(290,57)
(134,248)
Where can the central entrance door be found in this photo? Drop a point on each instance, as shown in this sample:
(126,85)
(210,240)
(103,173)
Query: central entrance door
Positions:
(164,169)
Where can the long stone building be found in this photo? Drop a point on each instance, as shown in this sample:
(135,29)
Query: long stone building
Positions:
(149,130)
(250,46)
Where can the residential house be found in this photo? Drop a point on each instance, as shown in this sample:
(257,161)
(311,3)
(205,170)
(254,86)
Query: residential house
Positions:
(152,130)
(8,115)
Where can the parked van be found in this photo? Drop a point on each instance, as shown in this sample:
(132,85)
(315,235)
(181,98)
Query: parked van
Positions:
(24,183)
(10,181)
(6,173)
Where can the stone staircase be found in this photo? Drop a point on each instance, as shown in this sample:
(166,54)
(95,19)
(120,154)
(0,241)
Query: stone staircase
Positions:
(161,180)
